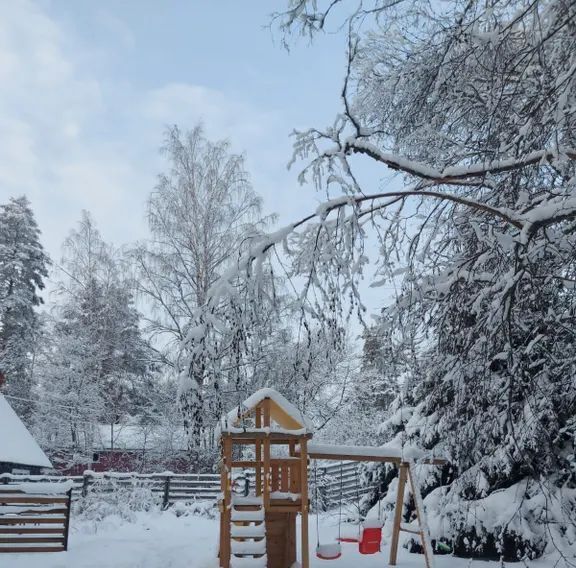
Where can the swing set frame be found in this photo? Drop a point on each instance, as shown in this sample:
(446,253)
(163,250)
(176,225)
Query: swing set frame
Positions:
(267,420)
(406,474)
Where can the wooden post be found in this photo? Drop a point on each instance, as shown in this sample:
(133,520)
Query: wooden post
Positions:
(419,506)
(398,514)
(85,484)
(166,499)
(258,451)
(67,524)
(225,514)
(266,473)
(304,494)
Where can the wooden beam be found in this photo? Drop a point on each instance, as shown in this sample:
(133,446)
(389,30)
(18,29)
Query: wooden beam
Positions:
(225,520)
(274,437)
(305,546)
(21,549)
(399,509)
(419,506)
(266,411)
(349,457)
(258,452)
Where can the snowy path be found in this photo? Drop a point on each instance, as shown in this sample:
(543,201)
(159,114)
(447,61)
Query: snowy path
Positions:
(162,540)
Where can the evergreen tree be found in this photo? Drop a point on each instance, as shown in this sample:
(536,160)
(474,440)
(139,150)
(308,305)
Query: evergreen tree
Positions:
(97,360)
(23,267)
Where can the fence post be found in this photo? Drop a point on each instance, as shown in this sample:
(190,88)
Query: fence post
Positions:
(166,500)
(67,525)
(85,483)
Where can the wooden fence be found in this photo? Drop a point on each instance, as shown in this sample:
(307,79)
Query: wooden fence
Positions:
(36,522)
(337,481)
(171,488)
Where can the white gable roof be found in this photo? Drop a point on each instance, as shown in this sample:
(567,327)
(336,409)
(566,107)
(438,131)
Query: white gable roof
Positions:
(17,444)
(229,420)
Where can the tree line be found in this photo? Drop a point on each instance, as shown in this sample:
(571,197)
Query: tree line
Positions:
(109,350)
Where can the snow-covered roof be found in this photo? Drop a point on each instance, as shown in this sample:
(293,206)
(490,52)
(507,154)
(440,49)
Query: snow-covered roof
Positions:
(287,416)
(16,443)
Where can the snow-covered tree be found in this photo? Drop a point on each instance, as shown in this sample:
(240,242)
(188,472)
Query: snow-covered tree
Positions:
(23,267)
(201,215)
(97,358)
(473,105)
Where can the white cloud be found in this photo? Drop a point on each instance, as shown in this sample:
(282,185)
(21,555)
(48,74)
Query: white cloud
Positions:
(70,144)
(222,116)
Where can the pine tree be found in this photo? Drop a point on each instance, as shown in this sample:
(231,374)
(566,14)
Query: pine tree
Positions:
(23,267)
(97,360)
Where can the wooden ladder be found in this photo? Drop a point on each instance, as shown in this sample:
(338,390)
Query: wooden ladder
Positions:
(248,533)
(407,473)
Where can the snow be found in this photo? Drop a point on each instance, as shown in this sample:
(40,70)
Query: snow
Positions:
(329,551)
(17,444)
(163,540)
(39,488)
(253,400)
(370,451)
(285,495)
(254,547)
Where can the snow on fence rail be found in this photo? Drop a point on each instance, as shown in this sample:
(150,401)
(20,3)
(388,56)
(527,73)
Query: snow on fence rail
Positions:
(174,487)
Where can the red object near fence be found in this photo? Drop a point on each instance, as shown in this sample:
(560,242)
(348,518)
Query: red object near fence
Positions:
(370,541)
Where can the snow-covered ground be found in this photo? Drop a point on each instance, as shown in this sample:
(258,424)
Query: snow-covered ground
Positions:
(163,540)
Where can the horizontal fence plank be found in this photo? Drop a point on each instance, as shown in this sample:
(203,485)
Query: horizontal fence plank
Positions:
(23,549)
(30,540)
(32,520)
(36,530)
(13,498)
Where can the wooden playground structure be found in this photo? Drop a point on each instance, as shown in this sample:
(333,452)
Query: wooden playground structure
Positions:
(258,530)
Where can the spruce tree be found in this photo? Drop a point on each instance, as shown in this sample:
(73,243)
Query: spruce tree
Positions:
(23,267)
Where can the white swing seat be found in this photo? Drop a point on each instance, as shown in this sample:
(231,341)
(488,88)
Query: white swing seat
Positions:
(329,551)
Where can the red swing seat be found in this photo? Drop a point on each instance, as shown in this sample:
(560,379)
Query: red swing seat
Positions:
(347,539)
(369,542)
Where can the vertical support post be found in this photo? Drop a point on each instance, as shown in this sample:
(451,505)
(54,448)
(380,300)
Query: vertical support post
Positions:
(305,505)
(166,498)
(258,452)
(67,525)
(85,483)
(419,505)
(225,513)
(266,473)
(399,509)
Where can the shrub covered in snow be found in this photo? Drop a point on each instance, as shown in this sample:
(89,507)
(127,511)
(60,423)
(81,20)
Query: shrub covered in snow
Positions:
(122,497)
(476,514)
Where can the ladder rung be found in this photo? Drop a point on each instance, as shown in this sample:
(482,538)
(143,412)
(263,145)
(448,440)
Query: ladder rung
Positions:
(248,516)
(248,548)
(248,531)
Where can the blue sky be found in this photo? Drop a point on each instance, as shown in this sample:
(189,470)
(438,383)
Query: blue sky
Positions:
(88,88)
